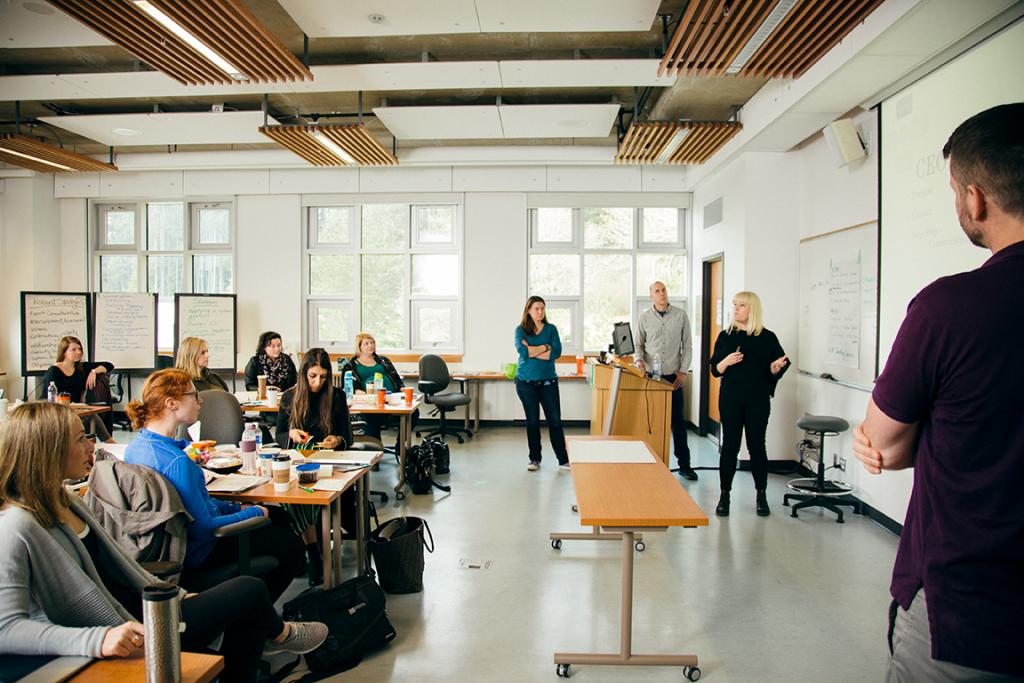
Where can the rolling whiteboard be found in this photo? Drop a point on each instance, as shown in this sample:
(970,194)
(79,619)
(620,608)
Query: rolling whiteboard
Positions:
(212,317)
(921,237)
(125,330)
(45,318)
(839,304)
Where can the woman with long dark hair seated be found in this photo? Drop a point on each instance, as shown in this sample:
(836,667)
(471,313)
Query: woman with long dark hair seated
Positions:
(270,360)
(314,411)
(169,400)
(67,588)
(73,376)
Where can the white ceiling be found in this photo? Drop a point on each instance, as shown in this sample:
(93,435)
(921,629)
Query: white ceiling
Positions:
(499,121)
(416,17)
(39,24)
(582,73)
(182,128)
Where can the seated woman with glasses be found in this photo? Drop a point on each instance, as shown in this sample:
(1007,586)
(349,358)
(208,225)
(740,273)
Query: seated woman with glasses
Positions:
(168,401)
(194,358)
(69,589)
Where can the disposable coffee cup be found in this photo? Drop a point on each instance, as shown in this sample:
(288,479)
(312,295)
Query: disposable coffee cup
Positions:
(261,387)
(382,398)
(273,396)
(408,395)
(282,472)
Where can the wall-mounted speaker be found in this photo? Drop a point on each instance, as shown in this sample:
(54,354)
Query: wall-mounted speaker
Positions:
(845,143)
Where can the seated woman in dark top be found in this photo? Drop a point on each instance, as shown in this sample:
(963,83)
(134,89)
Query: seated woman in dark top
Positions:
(194,358)
(364,366)
(73,376)
(272,361)
(69,589)
(314,410)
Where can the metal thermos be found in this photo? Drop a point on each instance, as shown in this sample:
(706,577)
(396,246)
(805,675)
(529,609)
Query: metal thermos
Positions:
(160,618)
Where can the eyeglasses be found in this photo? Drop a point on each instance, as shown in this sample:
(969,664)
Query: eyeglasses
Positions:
(190,393)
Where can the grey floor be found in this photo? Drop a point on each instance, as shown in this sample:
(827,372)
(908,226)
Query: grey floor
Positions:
(776,599)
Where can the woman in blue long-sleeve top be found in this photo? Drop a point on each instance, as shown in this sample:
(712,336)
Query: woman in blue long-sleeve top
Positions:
(538,346)
(169,400)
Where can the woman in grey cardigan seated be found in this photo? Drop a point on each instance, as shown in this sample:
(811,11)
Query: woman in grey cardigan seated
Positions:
(67,588)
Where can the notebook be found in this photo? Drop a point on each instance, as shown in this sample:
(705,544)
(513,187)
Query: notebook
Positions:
(235,483)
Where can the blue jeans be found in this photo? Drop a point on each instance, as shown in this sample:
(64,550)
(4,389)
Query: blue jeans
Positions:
(535,394)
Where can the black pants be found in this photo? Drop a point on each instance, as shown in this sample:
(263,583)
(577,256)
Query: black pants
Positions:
(544,393)
(241,609)
(277,540)
(679,445)
(738,417)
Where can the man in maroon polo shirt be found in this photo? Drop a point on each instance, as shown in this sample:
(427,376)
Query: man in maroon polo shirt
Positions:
(950,404)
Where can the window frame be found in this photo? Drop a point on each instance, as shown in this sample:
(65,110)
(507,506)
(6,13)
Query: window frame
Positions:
(638,299)
(411,247)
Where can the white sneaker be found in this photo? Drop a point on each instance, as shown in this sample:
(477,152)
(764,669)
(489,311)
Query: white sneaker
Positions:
(533,466)
(303,637)
(565,466)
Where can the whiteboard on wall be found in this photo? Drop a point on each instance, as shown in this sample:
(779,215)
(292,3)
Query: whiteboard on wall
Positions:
(839,304)
(211,317)
(45,318)
(125,330)
(921,236)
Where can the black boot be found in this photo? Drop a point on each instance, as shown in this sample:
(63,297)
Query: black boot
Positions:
(723,505)
(762,504)
(314,565)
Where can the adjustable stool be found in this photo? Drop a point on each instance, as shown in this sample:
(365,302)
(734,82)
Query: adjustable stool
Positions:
(817,491)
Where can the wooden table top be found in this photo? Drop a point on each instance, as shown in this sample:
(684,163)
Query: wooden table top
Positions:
(353,407)
(487,375)
(295,494)
(86,410)
(195,668)
(631,495)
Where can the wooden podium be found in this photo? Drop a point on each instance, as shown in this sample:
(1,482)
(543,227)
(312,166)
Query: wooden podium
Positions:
(627,403)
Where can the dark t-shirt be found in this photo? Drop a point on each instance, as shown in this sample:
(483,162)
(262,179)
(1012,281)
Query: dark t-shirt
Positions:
(340,425)
(73,384)
(957,368)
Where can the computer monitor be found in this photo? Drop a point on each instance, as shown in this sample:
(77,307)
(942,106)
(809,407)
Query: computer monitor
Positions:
(622,338)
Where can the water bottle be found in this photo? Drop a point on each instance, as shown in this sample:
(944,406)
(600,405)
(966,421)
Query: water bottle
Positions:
(160,619)
(249,438)
(51,393)
(349,384)
(258,433)
(656,365)
(378,381)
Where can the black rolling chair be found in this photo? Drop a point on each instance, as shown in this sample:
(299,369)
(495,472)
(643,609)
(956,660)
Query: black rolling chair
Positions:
(434,378)
(818,491)
(117,394)
(164,362)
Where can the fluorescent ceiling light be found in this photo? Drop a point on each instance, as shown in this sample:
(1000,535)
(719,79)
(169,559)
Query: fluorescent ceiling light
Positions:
(334,147)
(770,23)
(35,159)
(175,28)
(672,145)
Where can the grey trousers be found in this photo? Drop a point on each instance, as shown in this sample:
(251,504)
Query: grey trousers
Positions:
(910,647)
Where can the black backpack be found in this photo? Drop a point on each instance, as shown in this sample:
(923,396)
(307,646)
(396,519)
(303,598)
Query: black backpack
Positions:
(442,454)
(419,469)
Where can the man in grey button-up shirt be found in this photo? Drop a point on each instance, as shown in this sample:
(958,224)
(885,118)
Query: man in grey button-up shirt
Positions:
(663,330)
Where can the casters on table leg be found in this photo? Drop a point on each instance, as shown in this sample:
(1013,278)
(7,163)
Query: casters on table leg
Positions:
(692,672)
(563,671)
(640,547)
(556,543)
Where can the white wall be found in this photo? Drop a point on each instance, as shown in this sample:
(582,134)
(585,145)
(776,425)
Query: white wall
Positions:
(268,221)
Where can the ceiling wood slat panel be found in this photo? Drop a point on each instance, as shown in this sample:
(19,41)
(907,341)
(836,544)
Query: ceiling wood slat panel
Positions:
(13,147)
(712,34)
(645,142)
(224,26)
(354,139)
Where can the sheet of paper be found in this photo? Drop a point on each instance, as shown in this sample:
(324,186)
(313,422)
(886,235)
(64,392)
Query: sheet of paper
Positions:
(609,451)
(330,485)
(345,457)
(235,483)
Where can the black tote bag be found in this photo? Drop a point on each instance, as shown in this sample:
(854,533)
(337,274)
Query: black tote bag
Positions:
(397,549)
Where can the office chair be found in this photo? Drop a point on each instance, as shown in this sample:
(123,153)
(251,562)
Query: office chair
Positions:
(117,395)
(164,362)
(434,378)
(220,417)
(818,491)
(152,546)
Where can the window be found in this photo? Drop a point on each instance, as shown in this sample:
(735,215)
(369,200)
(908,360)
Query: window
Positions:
(165,248)
(394,270)
(593,266)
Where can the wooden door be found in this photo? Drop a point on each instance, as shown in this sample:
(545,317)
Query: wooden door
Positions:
(713,315)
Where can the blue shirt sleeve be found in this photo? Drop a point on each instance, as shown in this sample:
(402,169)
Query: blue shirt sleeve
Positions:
(187,478)
(556,343)
(521,349)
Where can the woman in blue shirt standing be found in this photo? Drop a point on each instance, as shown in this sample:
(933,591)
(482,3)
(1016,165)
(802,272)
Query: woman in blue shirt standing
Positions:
(538,346)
